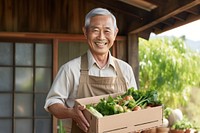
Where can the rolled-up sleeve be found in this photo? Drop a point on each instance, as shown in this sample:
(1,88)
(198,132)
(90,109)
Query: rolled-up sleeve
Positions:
(128,74)
(60,89)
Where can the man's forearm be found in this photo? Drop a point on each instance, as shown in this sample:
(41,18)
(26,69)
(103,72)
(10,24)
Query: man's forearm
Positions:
(60,111)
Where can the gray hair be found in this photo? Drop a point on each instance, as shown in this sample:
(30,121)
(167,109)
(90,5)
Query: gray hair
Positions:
(99,11)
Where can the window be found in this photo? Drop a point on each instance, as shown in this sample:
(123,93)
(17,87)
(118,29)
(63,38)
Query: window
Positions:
(26,76)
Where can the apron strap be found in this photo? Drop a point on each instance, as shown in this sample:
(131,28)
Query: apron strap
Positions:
(118,70)
(84,64)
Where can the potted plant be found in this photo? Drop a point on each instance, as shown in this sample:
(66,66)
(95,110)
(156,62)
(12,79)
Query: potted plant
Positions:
(177,127)
(182,126)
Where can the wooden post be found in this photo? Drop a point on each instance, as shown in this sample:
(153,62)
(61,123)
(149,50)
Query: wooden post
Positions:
(55,70)
(133,57)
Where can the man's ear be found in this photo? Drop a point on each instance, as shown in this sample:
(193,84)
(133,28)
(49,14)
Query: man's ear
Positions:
(116,31)
(84,32)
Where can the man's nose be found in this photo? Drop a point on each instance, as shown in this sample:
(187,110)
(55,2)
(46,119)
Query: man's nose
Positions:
(101,35)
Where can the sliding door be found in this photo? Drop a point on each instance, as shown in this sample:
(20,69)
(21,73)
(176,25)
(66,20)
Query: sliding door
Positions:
(25,79)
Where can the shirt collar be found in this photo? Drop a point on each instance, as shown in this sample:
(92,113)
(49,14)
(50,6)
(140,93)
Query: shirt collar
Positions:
(92,61)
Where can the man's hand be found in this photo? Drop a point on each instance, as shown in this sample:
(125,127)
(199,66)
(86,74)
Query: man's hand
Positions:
(60,111)
(80,119)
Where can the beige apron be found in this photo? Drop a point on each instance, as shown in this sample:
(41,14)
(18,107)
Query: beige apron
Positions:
(94,86)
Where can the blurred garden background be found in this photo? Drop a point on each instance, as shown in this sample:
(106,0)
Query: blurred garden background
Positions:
(168,65)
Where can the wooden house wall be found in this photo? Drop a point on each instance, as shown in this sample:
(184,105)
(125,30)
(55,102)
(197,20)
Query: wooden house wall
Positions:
(59,16)
(48,16)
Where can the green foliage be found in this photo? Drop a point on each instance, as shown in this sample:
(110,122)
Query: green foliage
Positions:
(144,97)
(167,112)
(183,124)
(192,110)
(167,66)
(61,128)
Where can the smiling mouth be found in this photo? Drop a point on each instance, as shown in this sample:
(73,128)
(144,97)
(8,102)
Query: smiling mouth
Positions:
(102,43)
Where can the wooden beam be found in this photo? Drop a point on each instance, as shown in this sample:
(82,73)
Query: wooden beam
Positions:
(121,7)
(178,18)
(166,23)
(195,10)
(156,2)
(148,6)
(43,36)
(145,34)
(55,70)
(133,55)
(173,13)
(180,23)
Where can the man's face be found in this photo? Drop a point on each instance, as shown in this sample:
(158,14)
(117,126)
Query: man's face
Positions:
(100,34)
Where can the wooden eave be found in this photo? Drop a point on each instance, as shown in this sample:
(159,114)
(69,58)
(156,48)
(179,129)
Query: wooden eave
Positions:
(166,15)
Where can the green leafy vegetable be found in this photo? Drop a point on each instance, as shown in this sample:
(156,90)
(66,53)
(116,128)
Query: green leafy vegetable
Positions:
(131,100)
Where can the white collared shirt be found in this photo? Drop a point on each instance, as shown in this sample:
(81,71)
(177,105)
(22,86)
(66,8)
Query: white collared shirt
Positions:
(65,85)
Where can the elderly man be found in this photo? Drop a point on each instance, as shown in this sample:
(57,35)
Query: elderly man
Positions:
(95,73)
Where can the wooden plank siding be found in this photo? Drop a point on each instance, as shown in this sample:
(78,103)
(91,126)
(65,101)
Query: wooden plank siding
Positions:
(48,16)
(56,18)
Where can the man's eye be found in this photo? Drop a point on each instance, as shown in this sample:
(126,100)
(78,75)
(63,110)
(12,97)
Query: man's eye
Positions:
(107,31)
(95,30)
